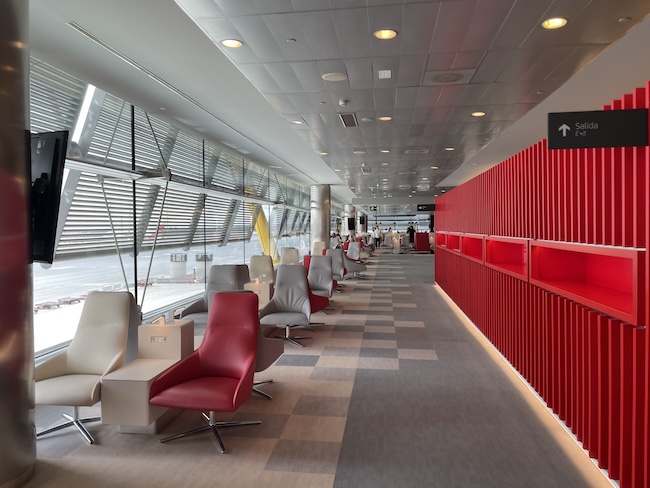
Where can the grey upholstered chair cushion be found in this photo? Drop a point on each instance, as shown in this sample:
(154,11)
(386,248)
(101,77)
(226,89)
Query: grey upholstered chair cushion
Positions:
(338,263)
(290,302)
(320,275)
(289,255)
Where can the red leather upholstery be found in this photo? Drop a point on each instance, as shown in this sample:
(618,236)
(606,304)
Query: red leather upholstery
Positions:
(218,376)
(346,244)
(318,302)
(306,261)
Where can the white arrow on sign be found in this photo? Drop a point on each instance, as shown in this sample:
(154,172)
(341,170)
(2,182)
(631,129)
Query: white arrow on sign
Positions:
(564,128)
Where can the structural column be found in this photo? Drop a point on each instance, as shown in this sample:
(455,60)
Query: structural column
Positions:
(18,448)
(320,207)
(349,220)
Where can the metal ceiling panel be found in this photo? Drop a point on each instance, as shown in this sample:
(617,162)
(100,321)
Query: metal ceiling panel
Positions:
(321,39)
(428,96)
(289,36)
(441,61)
(303,103)
(360,73)
(523,19)
(299,5)
(493,64)
(451,26)
(406,97)
(282,103)
(485,23)
(411,69)
(468,60)
(201,9)
(364,100)
(473,93)
(284,76)
(577,59)
(418,21)
(273,6)
(258,38)
(450,95)
(260,77)
(237,7)
(351,32)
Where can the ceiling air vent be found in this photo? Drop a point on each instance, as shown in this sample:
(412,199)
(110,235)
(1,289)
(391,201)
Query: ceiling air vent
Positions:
(349,120)
(416,151)
(365,170)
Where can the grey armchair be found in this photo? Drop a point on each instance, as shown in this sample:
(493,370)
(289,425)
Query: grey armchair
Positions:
(320,276)
(73,377)
(290,304)
(289,255)
(221,277)
(338,263)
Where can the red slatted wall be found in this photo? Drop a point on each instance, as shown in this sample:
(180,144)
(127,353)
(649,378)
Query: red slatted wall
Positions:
(591,368)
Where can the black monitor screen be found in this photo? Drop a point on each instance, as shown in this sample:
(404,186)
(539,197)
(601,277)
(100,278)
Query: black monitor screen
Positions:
(48,150)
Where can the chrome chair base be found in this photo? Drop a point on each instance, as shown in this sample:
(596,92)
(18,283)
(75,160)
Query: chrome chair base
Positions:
(291,340)
(260,392)
(212,426)
(73,420)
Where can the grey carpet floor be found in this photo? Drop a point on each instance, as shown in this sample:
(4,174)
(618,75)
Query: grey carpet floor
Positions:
(395,389)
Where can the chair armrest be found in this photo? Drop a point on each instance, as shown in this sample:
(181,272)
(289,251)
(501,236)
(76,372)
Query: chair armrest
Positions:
(246,381)
(196,307)
(51,368)
(184,370)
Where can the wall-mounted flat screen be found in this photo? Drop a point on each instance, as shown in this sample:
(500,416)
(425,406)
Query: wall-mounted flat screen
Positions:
(48,150)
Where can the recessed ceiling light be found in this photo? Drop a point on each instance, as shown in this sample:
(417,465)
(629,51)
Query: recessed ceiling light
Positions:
(233,43)
(443,191)
(450,148)
(434,167)
(323,153)
(539,92)
(554,23)
(412,191)
(478,114)
(385,118)
(337,170)
(296,122)
(624,20)
(385,150)
(291,40)
(367,119)
(425,178)
(275,167)
(384,34)
(384,164)
(384,179)
(359,152)
(410,196)
(335,76)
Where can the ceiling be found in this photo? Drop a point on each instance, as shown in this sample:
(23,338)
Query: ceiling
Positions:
(450,58)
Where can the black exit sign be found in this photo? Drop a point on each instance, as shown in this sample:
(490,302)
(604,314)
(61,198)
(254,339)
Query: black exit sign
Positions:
(601,128)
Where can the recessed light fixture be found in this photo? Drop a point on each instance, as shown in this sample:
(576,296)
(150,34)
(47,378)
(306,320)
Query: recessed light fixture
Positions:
(385,150)
(337,170)
(385,118)
(291,40)
(359,152)
(624,20)
(478,114)
(367,119)
(323,153)
(334,76)
(233,43)
(384,164)
(410,196)
(21,45)
(539,92)
(385,34)
(434,167)
(450,148)
(296,122)
(275,167)
(554,23)
(443,191)
(425,178)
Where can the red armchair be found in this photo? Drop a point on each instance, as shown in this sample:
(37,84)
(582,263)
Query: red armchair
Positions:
(218,376)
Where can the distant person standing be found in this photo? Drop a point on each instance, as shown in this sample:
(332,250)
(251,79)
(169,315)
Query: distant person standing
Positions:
(376,234)
(411,233)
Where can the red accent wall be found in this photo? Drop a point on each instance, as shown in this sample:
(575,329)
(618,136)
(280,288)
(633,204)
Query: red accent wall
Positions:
(555,273)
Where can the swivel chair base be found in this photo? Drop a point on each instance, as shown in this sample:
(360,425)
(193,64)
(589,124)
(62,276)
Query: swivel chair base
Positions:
(76,421)
(260,392)
(291,340)
(212,426)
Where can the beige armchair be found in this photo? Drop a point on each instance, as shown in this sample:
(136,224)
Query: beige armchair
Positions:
(73,377)
(261,267)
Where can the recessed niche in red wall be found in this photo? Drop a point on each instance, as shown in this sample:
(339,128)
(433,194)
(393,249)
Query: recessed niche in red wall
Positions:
(508,255)
(453,242)
(471,247)
(441,239)
(605,278)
